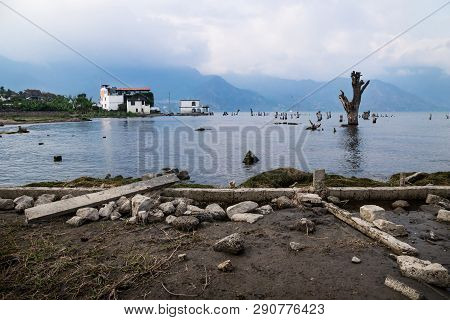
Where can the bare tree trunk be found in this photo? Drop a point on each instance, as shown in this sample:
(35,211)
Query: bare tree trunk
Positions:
(352,107)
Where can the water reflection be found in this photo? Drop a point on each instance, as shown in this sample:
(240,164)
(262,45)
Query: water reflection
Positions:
(351,141)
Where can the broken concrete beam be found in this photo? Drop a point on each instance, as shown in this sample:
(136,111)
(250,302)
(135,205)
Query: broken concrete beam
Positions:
(62,207)
(423,270)
(369,230)
(404,289)
(319,179)
(370,212)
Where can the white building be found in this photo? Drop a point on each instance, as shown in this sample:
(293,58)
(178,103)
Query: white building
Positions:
(135,100)
(193,107)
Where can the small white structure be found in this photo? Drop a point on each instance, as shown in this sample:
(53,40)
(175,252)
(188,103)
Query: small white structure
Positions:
(193,107)
(135,100)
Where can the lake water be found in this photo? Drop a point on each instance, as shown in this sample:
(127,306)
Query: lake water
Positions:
(404,142)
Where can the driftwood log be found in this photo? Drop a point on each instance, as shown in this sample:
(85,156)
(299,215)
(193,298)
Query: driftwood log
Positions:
(352,107)
(313,126)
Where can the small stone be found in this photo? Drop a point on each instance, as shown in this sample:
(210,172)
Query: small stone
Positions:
(132,220)
(44,199)
(356,260)
(242,207)
(334,200)
(250,158)
(107,210)
(181,208)
(183,175)
(170,219)
(142,216)
(443,216)
(22,203)
(115,216)
(217,212)
(6,204)
(225,266)
(185,223)
(400,204)
(233,244)
(370,212)
(304,225)
(296,246)
(396,230)
(167,208)
(246,217)
(76,221)
(67,196)
(432,273)
(264,210)
(90,214)
(182,257)
(283,202)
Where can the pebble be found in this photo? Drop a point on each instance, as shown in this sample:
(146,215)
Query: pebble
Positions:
(356,260)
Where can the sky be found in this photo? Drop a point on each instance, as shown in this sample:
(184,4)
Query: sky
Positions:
(284,38)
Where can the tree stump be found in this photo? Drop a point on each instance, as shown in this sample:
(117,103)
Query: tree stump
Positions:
(352,107)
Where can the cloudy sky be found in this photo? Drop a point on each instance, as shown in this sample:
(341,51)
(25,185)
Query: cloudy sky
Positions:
(291,39)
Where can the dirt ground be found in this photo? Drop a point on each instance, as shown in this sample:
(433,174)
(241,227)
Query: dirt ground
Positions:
(116,260)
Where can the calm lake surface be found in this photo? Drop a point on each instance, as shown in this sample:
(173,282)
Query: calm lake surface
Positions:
(134,146)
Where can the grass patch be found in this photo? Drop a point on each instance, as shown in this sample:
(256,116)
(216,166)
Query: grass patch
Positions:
(441,178)
(334,180)
(86,182)
(193,186)
(279,178)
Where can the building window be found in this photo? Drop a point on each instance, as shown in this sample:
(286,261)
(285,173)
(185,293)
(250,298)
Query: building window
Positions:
(193,103)
(132,102)
(137,110)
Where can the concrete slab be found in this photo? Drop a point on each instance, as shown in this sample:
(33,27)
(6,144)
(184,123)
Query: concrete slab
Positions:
(58,208)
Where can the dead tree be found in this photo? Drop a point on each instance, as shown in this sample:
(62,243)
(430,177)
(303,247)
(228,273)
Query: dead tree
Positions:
(313,126)
(352,107)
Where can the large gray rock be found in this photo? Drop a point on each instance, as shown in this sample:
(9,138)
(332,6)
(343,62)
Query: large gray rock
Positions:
(185,223)
(107,210)
(437,200)
(44,199)
(242,207)
(141,203)
(396,230)
(23,202)
(432,273)
(170,219)
(246,217)
(125,207)
(304,225)
(76,221)
(283,202)
(121,201)
(233,244)
(90,214)
(6,204)
(264,210)
(443,215)
(400,204)
(310,198)
(216,211)
(155,215)
(370,212)
(181,208)
(167,208)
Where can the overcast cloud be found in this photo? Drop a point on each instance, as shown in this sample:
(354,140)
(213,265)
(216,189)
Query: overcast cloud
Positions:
(291,39)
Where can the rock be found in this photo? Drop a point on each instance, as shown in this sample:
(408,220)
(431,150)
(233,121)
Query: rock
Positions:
(437,200)
(320,211)
(141,203)
(216,211)
(432,273)
(183,175)
(142,216)
(311,198)
(415,177)
(370,212)
(203,216)
(121,201)
(334,200)
(296,246)
(181,208)
(231,244)
(57,158)
(67,196)
(148,176)
(404,289)
(443,215)
(225,266)
(304,225)
(76,221)
(194,209)
(400,204)
(115,215)
(396,230)
(125,207)
(431,208)
(242,207)
(44,199)
(6,204)
(22,203)
(167,208)
(246,217)
(182,256)
(283,202)
(250,158)
(90,214)
(400,210)
(264,210)
(155,215)
(132,220)
(169,219)
(356,260)
(185,223)
(107,210)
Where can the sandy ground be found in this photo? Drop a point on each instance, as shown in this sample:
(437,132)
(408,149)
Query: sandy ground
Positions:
(116,260)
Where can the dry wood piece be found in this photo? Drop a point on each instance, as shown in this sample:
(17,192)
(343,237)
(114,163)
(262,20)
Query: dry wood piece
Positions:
(404,289)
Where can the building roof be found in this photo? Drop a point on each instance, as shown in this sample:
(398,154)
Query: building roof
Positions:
(189,100)
(134,89)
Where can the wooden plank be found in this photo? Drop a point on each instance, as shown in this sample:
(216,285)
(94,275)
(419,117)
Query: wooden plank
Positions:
(62,207)
(397,246)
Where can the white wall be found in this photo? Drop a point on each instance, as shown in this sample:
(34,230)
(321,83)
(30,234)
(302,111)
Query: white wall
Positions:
(138,107)
(112,102)
(186,106)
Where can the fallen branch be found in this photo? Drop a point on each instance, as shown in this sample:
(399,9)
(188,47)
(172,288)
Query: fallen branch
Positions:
(177,294)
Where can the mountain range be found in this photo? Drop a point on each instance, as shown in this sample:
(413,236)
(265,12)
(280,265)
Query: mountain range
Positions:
(420,89)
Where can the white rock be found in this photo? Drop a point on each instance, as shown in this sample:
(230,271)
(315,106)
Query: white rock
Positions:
(167,208)
(437,200)
(22,203)
(141,203)
(443,215)
(182,256)
(400,204)
(195,209)
(170,219)
(132,219)
(397,230)
(404,289)
(264,210)
(225,266)
(356,260)
(90,214)
(125,207)
(6,204)
(115,215)
(44,199)
(308,197)
(242,207)
(246,217)
(107,210)
(432,273)
(370,212)
(296,246)
(75,221)
(142,216)
(217,212)
(121,201)
(155,216)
